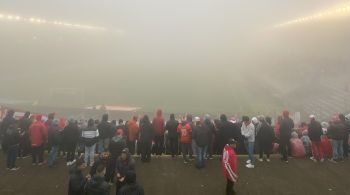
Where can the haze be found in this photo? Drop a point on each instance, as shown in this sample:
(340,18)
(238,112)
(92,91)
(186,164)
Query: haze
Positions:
(183,56)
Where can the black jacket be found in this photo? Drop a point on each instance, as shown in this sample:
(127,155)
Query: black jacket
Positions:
(337,131)
(287,125)
(122,167)
(265,133)
(315,131)
(116,146)
(105,130)
(201,135)
(131,189)
(55,135)
(76,182)
(70,134)
(146,133)
(5,124)
(171,126)
(12,137)
(97,186)
(24,124)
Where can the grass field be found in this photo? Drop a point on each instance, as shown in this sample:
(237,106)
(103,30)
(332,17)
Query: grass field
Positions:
(166,176)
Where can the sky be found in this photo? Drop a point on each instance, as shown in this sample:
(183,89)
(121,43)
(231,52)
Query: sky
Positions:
(182,56)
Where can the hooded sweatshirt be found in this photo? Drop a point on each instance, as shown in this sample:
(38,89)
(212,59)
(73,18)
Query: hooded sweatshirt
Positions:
(38,132)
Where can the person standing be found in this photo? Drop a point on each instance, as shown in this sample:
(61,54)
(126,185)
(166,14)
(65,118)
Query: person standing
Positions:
(70,137)
(315,133)
(185,130)
(54,139)
(133,134)
(201,136)
(229,166)
(12,140)
(248,131)
(24,145)
(337,133)
(346,124)
(105,132)
(264,138)
(208,124)
(5,124)
(38,135)
(173,136)
(146,137)
(158,127)
(90,137)
(286,127)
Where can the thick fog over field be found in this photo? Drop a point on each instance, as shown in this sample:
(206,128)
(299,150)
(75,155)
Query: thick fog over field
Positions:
(203,56)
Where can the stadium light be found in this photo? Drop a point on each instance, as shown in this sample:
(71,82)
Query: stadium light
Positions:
(340,11)
(33,20)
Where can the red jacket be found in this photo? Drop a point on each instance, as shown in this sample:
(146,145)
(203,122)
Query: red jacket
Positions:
(185,133)
(38,132)
(133,130)
(158,126)
(229,163)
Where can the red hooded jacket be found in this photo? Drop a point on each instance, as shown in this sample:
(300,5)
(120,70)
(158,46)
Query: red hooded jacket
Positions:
(158,123)
(38,132)
(229,163)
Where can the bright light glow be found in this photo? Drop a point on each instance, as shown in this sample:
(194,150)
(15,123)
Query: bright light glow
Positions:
(337,12)
(9,17)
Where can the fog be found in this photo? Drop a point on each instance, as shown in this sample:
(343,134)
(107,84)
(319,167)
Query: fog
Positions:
(183,56)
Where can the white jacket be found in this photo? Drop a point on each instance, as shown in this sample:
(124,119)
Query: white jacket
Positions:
(248,131)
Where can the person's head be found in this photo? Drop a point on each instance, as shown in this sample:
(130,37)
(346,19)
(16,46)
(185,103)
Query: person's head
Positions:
(125,154)
(121,121)
(10,113)
(27,114)
(159,113)
(305,132)
(172,117)
(145,119)
(189,118)
(55,122)
(285,114)
(197,121)
(114,122)
(268,120)
(97,122)
(91,122)
(80,164)
(342,117)
(51,116)
(245,120)
(232,143)
(120,132)
(255,120)
(101,170)
(104,156)
(105,117)
(294,134)
(130,177)
(223,118)
(312,118)
(38,117)
(134,118)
